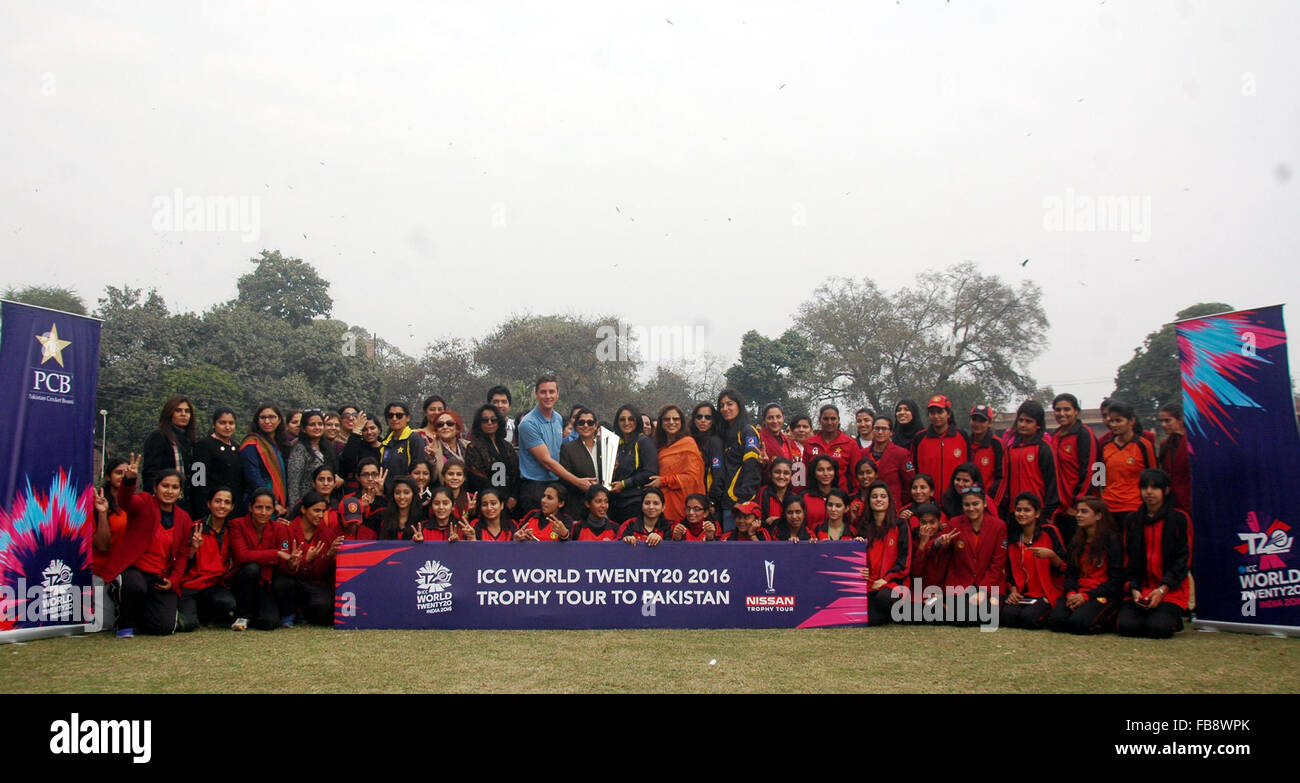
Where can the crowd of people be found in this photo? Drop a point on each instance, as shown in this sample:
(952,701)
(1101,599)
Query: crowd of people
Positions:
(1058,529)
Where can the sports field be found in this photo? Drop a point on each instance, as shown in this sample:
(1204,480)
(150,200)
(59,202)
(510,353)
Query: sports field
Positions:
(888,660)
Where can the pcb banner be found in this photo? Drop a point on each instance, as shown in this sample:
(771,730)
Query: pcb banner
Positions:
(49,364)
(584,584)
(1241,427)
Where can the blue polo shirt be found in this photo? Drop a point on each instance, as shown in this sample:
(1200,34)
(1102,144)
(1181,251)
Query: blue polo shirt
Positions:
(534,430)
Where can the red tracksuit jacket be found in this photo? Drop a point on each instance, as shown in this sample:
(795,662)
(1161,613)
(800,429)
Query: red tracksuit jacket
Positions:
(1074,451)
(889,555)
(939,455)
(978,561)
(249,546)
(1034,576)
(894,467)
(143,527)
(211,564)
(989,456)
(843,449)
(1028,467)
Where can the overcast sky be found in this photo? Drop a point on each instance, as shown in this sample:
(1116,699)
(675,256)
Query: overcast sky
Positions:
(484,158)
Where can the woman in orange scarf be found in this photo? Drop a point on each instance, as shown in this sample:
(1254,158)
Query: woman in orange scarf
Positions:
(681,467)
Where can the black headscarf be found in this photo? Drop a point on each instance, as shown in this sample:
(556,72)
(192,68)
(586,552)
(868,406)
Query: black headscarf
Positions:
(904,433)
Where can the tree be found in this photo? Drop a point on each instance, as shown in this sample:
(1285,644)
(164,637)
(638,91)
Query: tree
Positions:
(957,329)
(1152,377)
(766,368)
(589,358)
(286,288)
(54,297)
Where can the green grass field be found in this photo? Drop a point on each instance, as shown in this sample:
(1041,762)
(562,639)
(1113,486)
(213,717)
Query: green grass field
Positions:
(892,659)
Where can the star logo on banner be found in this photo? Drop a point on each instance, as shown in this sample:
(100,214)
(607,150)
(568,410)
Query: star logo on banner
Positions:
(51,346)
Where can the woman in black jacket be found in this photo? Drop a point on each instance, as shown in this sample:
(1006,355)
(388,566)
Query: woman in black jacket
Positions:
(638,460)
(171,447)
(219,456)
(581,457)
(490,459)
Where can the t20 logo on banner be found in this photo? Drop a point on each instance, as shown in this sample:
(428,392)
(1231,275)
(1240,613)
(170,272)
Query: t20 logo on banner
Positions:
(433,587)
(1268,582)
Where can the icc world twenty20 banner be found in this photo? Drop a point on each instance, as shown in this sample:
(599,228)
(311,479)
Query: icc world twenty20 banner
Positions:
(582,584)
(1241,427)
(49,364)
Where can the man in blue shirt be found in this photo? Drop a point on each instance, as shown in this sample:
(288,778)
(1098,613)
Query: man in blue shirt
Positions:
(540,434)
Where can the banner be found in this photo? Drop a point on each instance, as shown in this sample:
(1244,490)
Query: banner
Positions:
(1241,427)
(49,364)
(593,584)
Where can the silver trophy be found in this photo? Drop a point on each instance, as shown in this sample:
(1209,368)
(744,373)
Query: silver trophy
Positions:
(606,457)
(769,568)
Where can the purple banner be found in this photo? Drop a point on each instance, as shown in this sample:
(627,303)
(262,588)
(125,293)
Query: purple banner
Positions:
(49,365)
(599,585)
(1241,427)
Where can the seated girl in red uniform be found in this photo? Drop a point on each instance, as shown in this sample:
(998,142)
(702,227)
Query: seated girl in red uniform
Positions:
(258,543)
(152,554)
(313,544)
(979,552)
(748,525)
(648,526)
(866,473)
(596,525)
(823,476)
(1037,557)
(442,524)
(772,497)
(835,527)
(922,492)
(790,525)
(205,588)
(889,554)
(1158,543)
(698,525)
(400,519)
(548,523)
(110,524)
(491,524)
(1094,573)
(929,557)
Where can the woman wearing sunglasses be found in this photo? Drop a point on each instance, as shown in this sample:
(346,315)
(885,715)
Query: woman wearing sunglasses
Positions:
(581,457)
(681,468)
(490,459)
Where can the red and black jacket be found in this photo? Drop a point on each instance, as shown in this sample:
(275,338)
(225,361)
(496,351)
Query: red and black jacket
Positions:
(1073,450)
(633,527)
(1029,467)
(1175,458)
(843,449)
(989,456)
(1158,552)
(211,565)
(543,528)
(889,554)
(978,559)
(771,506)
(930,562)
(507,532)
(145,535)
(1101,578)
(774,446)
(430,531)
(247,545)
(695,532)
(321,569)
(894,467)
(1034,576)
(594,530)
(939,455)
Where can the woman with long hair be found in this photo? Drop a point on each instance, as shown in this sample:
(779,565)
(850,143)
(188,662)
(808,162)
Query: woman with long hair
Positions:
(1158,540)
(1094,573)
(649,526)
(1037,558)
(422,475)
(449,447)
(262,455)
(681,466)
(401,520)
(152,554)
(309,452)
(205,587)
(1174,455)
(464,501)
(428,431)
(362,443)
(490,523)
(772,498)
(964,476)
(595,525)
(866,472)
(170,446)
(636,463)
(742,470)
(219,456)
(704,426)
(442,524)
(921,491)
(547,522)
(823,476)
(490,459)
(110,518)
(698,524)
(889,553)
(790,525)
(1126,453)
(835,527)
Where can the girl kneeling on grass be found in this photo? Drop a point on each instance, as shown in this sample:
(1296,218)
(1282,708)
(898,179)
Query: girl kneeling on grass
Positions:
(979,553)
(258,543)
(1158,542)
(1037,557)
(205,588)
(648,526)
(698,525)
(1094,575)
(152,554)
(313,544)
(889,553)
